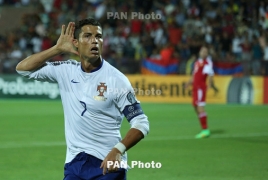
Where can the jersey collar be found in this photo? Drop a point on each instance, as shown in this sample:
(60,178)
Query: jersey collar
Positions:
(94,69)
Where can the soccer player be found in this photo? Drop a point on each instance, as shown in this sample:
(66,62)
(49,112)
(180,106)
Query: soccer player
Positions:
(95,98)
(203,69)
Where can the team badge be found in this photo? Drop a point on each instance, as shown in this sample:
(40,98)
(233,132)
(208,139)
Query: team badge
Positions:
(131,98)
(102,88)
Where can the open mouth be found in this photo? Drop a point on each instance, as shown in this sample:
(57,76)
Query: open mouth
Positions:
(94,50)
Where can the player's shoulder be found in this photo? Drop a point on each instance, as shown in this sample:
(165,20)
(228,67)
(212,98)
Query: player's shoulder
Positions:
(69,62)
(115,74)
(209,59)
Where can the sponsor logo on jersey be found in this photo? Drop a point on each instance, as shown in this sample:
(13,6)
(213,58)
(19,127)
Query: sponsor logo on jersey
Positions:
(73,81)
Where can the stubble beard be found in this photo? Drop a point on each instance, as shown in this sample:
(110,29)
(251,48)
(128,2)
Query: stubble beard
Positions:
(90,60)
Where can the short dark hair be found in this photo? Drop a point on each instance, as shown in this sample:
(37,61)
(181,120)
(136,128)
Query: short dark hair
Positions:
(81,23)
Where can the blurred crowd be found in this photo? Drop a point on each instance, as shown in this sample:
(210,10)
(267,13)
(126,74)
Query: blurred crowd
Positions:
(234,31)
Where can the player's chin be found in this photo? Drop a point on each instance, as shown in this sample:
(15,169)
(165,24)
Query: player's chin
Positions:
(92,58)
(96,55)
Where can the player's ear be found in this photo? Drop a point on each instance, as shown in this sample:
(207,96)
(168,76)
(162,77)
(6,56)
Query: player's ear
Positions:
(75,42)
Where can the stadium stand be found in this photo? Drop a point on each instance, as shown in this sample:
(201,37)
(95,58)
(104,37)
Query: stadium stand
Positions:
(235,31)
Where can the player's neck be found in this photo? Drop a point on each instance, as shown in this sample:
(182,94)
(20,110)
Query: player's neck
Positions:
(88,67)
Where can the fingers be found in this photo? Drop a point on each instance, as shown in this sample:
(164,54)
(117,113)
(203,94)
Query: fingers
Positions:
(69,30)
(112,162)
(111,168)
(72,30)
(62,30)
(103,166)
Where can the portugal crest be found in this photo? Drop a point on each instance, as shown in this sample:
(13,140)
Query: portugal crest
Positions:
(101,89)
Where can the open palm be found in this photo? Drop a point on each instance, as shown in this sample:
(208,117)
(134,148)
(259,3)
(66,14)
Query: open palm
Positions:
(65,41)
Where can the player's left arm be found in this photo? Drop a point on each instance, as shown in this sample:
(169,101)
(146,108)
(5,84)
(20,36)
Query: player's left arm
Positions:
(139,129)
(210,81)
(139,123)
(139,126)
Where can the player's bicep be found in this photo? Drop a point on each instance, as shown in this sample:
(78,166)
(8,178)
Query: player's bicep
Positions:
(128,104)
(132,111)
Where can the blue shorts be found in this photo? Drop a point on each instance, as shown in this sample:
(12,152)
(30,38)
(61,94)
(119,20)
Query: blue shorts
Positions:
(87,167)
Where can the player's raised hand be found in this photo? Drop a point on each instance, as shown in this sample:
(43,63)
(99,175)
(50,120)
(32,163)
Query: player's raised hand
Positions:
(65,41)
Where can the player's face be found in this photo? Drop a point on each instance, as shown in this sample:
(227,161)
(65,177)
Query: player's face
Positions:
(90,43)
(203,52)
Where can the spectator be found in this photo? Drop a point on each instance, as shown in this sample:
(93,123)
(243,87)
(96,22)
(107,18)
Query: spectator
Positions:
(174,33)
(236,46)
(246,56)
(190,65)
(256,57)
(187,25)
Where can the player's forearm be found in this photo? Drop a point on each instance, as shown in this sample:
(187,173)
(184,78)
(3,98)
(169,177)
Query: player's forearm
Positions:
(190,82)
(210,80)
(132,137)
(35,61)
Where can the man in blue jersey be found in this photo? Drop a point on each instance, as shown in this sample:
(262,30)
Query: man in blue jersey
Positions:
(95,98)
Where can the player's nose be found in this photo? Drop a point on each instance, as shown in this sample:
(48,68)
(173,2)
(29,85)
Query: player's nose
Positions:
(94,40)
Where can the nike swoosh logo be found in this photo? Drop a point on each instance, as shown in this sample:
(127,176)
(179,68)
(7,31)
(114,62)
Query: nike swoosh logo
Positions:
(74,81)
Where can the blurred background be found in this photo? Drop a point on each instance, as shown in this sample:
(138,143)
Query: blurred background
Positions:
(234,30)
